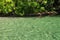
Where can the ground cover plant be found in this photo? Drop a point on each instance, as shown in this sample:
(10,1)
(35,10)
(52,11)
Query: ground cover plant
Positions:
(23,7)
(46,28)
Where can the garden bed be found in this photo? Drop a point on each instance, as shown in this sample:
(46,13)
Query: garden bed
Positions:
(28,8)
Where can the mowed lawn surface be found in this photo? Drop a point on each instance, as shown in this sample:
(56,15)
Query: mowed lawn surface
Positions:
(46,28)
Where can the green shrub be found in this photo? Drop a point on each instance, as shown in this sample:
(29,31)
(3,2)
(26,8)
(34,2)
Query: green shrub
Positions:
(22,7)
(27,7)
(6,6)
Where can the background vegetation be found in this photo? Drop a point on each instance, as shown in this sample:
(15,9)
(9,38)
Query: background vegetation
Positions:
(22,7)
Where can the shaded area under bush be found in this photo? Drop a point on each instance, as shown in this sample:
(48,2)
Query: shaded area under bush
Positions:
(12,14)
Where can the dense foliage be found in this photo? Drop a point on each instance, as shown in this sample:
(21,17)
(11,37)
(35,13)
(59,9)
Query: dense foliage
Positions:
(6,6)
(22,7)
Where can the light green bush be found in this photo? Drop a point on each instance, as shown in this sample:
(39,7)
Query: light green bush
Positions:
(6,6)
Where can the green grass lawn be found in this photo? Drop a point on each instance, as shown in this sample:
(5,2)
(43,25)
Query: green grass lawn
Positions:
(46,28)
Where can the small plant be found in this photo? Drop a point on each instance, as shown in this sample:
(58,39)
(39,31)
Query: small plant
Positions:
(7,6)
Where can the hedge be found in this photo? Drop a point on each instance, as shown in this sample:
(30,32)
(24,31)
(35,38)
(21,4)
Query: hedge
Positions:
(22,7)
